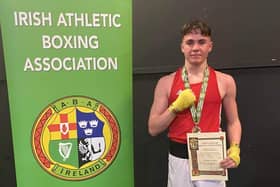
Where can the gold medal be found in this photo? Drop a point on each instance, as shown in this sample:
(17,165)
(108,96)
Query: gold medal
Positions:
(196,129)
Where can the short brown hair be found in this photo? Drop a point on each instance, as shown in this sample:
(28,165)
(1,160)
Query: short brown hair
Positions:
(195,26)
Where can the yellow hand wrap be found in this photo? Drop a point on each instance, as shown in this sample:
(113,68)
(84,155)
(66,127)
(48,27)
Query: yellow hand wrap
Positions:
(185,99)
(234,152)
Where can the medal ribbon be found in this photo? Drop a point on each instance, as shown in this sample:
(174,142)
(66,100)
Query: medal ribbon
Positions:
(196,111)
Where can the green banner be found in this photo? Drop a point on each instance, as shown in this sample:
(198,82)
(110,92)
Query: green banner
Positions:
(69,74)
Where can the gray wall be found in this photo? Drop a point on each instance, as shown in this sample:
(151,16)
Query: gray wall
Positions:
(244,32)
(7,170)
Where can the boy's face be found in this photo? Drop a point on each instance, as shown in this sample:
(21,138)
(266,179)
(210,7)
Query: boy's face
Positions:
(196,47)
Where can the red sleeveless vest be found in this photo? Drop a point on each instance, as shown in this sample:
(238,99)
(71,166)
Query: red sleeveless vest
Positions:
(211,112)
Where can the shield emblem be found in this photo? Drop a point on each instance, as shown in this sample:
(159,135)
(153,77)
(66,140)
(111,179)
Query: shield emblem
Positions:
(64,128)
(76,138)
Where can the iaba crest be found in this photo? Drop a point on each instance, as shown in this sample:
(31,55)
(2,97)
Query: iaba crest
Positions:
(75,138)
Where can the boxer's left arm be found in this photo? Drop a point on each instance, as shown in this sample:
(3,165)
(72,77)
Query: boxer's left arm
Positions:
(233,124)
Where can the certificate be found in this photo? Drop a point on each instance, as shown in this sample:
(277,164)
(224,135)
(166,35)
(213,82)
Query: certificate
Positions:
(206,151)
